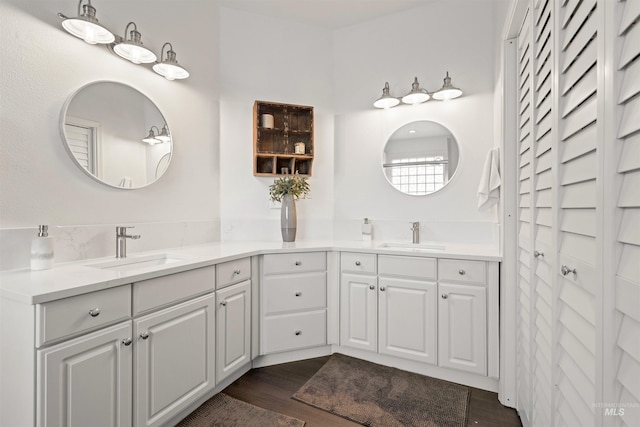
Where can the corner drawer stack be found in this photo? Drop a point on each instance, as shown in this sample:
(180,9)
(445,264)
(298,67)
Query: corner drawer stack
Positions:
(293,301)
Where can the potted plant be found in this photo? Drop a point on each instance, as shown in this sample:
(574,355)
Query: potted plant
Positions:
(287,190)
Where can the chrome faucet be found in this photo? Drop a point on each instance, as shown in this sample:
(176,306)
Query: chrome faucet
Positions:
(121,241)
(416,232)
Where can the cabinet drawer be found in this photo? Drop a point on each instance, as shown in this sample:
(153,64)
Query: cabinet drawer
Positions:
(232,272)
(295,331)
(294,293)
(354,262)
(295,262)
(70,316)
(423,268)
(165,290)
(462,271)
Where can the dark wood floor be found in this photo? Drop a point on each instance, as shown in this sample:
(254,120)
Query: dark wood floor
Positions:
(272,387)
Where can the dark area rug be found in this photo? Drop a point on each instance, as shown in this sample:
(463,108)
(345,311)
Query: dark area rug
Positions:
(225,411)
(380,396)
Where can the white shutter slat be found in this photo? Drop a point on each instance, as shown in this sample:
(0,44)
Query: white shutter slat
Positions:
(579,144)
(580,301)
(631,46)
(580,118)
(580,221)
(579,43)
(627,297)
(629,231)
(572,345)
(630,15)
(631,418)
(581,14)
(630,157)
(580,195)
(630,191)
(628,375)
(544,216)
(580,169)
(630,83)
(628,338)
(579,68)
(580,252)
(630,122)
(543,92)
(568,9)
(582,90)
(576,325)
(628,265)
(544,143)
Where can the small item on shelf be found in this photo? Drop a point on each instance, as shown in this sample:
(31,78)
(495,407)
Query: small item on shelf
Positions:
(299,147)
(267,121)
(367,234)
(42,249)
(284,171)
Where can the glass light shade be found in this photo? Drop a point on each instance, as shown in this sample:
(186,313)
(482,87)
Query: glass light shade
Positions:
(170,71)
(90,32)
(386,100)
(417,95)
(447,91)
(132,49)
(151,139)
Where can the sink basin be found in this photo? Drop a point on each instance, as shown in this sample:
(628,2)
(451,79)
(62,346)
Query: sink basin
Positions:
(413,246)
(137,262)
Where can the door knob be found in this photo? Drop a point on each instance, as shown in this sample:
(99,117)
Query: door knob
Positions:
(372,287)
(144,335)
(94,312)
(444,296)
(126,341)
(538,254)
(566,270)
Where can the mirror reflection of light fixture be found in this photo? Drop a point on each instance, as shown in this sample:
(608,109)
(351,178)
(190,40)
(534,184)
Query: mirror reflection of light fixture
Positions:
(164,135)
(418,95)
(152,139)
(447,91)
(86,25)
(169,67)
(132,49)
(386,100)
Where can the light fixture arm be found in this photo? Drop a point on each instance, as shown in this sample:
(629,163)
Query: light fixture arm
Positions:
(135,34)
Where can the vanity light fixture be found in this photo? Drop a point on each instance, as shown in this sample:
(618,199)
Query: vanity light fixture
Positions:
(169,67)
(164,135)
(129,47)
(86,25)
(152,139)
(417,95)
(132,49)
(447,91)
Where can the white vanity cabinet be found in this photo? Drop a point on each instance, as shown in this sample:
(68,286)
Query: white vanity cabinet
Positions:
(293,306)
(85,380)
(388,305)
(462,315)
(233,317)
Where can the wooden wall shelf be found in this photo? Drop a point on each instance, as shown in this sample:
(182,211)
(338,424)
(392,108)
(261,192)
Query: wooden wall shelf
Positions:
(274,148)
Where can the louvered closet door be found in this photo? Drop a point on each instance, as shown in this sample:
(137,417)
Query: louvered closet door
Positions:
(543,215)
(575,349)
(524,221)
(627,280)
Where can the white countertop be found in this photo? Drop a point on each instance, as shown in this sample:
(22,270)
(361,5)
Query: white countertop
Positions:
(74,278)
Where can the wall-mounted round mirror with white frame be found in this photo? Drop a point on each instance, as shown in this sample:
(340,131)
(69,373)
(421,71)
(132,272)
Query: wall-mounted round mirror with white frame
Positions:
(116,135)
(420,158)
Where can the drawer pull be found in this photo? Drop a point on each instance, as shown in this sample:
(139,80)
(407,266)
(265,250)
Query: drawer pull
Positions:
(236,271)
(94,312)
(298,293)
(298,263)
(372,287)
(358,263)
(382,288)
(298,333)
(566,270)
(144,335)
(223,303)
(444,296)
(126,342)
(462,272)
(538,254)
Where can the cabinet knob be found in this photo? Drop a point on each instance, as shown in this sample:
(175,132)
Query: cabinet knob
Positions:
(358,263)
(298,263)
(372,287)
(126,342)
(462,272)
(444,296)
(298,332)
(298,293)
(144,335)
(223,303)
(382,288)
(538,254)
(236,271)
(566,270)
(94,312)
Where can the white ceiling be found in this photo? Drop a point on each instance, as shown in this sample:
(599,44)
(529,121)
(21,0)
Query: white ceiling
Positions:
(331,14)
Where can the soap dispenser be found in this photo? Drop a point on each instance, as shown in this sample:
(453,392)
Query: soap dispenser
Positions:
(366,230)
(42,249)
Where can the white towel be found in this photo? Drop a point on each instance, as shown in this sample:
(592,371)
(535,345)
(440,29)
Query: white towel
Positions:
(489,188)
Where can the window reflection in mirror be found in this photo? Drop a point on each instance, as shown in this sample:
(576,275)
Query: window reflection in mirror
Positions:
(103,127)
(420,158)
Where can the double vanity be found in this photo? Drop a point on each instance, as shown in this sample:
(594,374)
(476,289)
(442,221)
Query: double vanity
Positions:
(144,340)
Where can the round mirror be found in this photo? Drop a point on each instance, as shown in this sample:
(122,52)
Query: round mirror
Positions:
(420,158)
(116,135)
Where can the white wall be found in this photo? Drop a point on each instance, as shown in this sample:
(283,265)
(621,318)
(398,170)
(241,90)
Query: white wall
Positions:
(425,42)
(42,65)
(267,59)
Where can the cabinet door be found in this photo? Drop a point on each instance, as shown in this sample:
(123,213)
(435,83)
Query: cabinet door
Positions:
(407,319)
(87,381)
(462,328)
(233,323)
(358,311)
(174,360)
